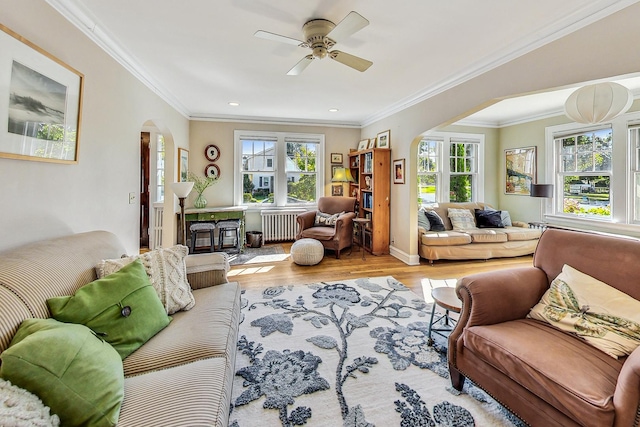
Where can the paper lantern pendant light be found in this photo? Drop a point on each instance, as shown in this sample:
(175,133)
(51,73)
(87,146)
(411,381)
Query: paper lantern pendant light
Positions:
(598,103)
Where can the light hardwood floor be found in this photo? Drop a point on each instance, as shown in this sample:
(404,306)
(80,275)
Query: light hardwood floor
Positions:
(351,266)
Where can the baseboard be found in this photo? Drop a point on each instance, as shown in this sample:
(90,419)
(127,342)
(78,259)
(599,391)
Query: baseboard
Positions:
(403,256)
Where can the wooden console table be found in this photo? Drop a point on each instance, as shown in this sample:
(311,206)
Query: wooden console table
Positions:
(218,214)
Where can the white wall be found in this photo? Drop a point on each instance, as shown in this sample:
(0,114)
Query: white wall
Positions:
(41,200)
(607,53)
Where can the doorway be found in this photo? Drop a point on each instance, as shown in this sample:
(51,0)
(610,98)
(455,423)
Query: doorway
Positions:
(145,148)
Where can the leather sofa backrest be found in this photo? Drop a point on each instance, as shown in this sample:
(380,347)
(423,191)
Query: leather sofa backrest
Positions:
(333,205)
(614,260)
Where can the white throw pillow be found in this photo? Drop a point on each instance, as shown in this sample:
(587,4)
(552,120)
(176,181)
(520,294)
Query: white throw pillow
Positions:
(461,219)
(18,407)
(605,317)
(167,272)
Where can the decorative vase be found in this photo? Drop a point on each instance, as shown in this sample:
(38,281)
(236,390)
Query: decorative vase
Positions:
(200,202)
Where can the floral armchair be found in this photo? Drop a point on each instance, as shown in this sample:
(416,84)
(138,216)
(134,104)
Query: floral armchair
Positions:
(331,224)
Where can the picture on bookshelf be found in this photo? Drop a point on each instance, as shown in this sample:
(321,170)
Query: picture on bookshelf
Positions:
(384,139)
(336,190)
(372,143)
(363,145)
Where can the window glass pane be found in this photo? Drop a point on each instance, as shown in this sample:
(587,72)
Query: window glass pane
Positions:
(636,208)
(301,157)
(257,187)
(301,187)
(460,188)
(587,195)
(427,185)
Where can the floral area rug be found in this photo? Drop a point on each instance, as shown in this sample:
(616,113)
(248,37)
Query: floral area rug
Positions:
(351,353)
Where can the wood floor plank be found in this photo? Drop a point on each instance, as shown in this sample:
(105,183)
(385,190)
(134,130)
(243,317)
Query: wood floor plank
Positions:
(351,266)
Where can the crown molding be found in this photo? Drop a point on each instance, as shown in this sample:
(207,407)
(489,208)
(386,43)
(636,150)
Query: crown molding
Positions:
(273,121)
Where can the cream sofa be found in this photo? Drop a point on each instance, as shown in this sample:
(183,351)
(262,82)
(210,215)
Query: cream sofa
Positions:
(180,377)
(475,243)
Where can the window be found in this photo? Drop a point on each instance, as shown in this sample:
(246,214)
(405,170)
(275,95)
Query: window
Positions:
(584,173)
(159,168)
(449,168)
(278,168)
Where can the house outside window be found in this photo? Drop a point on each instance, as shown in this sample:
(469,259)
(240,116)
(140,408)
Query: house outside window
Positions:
(450,168)
(278,168)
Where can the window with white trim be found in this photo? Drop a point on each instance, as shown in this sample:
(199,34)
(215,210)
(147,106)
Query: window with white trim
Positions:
(278,168)
(450,168)
(159,168)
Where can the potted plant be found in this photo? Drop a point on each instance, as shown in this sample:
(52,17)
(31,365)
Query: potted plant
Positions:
(200,184)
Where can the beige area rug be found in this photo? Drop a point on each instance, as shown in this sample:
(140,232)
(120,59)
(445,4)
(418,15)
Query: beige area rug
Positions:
(351,353)
(271,253)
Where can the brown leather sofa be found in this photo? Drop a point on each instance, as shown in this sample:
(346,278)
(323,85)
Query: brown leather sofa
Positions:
(334,238)
(543,375)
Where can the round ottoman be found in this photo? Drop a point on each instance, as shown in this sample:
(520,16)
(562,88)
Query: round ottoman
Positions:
(307,252)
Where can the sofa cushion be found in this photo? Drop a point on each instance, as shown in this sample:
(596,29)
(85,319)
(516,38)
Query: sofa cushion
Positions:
(461,219)
(486,235)
(445,238)
(521,234)
(208,330)
(435,220)
(167,271)
(122,308)
(76,374)
(489,218)
(514,349)
(605,317)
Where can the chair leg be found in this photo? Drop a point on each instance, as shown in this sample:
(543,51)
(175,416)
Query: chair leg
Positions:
(212,246)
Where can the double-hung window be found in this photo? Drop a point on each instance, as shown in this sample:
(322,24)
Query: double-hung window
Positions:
(450,168)
(278,168)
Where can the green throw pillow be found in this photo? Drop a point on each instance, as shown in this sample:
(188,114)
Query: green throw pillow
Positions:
(73,372)
(123,308)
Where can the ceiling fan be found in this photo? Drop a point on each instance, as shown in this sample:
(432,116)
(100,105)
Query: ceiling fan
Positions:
(320,35)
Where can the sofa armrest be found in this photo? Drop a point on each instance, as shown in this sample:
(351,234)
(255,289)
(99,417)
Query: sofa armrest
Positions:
(209,269)
(626,398)
(305,220)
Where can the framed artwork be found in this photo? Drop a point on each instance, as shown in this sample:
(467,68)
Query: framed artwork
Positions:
(520,170)
(363,145)
(372,143)
(336,190)
(212,171)
(212,152)
(398,171)
(40,103)
(183,164)
(384,139)
(336,158)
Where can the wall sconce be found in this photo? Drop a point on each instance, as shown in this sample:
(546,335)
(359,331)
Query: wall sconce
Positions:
(598,103)
(543,191)
(182,190)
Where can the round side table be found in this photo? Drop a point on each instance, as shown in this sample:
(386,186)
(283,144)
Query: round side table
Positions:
(447,299)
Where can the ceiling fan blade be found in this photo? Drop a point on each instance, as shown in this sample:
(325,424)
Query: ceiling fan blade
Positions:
(300,66)
(278,38)
(351,24)
(349,60)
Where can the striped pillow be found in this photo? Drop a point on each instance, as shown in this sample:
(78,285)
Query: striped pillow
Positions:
(461,219)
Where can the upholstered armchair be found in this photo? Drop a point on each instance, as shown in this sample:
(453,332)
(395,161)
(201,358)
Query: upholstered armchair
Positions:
(335,232)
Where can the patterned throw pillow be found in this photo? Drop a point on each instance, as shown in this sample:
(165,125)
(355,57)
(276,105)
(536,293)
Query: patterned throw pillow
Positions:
(461,219)
(605,317)
(326,220)
(167,272)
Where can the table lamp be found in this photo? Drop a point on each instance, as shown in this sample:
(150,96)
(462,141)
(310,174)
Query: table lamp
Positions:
(342,175)
(182,190)
(544,191)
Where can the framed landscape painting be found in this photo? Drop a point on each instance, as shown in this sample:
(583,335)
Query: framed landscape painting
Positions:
(520,170)
(40,103)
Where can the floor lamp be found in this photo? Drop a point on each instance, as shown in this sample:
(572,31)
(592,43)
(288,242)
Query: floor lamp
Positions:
(182,190)
(543,191)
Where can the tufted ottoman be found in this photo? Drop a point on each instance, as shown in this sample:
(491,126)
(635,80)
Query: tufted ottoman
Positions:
(307,252)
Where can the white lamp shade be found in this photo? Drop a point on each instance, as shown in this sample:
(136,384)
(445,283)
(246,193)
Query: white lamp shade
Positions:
(182,189)
(598,103)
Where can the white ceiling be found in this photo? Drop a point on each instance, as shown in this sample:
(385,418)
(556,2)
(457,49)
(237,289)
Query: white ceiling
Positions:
(200,55)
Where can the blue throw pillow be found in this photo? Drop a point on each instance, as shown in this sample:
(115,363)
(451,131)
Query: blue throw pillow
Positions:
(435,222)
(423,221)
(488,219)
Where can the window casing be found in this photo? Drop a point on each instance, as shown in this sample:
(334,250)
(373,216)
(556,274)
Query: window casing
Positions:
(159,168)
(450,168)
(278,168)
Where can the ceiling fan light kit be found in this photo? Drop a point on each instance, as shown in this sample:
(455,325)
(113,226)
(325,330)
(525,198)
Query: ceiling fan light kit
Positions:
(320,35)
(598,103)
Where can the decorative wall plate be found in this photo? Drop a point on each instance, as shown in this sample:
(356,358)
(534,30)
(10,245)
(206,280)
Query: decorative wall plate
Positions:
(212,170)
(212,152)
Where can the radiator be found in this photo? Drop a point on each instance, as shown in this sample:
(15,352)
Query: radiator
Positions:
(156,226)
(279,225)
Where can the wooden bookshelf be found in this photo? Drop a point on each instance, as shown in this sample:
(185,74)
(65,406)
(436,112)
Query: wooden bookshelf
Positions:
(371,170)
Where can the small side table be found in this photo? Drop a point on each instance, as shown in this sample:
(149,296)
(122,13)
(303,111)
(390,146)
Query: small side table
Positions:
(361,223)
(446,298)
